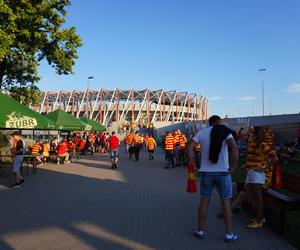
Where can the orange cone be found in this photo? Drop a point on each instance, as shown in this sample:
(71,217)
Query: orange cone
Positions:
(191,182)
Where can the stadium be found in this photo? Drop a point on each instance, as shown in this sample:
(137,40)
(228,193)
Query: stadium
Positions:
(127,106)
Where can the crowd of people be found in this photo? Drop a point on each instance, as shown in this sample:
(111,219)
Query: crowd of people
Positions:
(135,143)
(61,151)
(214,152)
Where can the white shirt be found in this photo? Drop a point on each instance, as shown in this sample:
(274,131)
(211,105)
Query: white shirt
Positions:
(203,137)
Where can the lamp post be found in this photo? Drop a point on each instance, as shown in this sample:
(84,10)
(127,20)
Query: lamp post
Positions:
(262,70)
(87,96)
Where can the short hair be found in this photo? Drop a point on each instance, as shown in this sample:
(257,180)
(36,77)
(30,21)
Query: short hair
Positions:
(15,133)
(113,133)
(213,120)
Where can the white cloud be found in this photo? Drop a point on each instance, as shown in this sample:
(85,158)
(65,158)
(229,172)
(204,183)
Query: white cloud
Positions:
(214,98)
(246,98)
(294,88)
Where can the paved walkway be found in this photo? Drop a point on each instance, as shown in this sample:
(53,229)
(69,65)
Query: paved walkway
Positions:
(86,205)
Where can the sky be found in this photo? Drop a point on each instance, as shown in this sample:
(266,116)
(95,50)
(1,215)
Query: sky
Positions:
(214,48)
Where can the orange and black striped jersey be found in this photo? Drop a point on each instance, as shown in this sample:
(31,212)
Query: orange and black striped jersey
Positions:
(182,141)
(169,142)
(138,140)
(176,139)
(151,144)
(129,139)
(36,148)
(257,157)
(269,138)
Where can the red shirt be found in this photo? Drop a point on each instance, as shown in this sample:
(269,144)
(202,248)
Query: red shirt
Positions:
(62,148)
(114,142)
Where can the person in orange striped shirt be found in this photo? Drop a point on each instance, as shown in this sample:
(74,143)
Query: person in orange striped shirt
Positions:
(151,145)
(36,151)
(129,141)
(177,135)
(169,149)
(270,140)
(182,144)
(46,149)
(260,158)
(138,141)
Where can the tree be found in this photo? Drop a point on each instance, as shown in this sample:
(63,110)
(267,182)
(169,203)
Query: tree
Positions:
(31,31)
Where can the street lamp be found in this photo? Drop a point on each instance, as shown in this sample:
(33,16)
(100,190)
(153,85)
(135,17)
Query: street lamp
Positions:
(88,81)
(87,96)
(262,70)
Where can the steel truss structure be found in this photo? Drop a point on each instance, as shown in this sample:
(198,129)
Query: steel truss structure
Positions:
(131,106)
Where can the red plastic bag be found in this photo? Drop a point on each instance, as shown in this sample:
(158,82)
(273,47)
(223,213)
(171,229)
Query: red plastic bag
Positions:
(191,181)
(277,176)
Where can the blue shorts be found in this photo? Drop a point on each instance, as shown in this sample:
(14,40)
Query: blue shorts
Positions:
(114,153)
(17,163)
(221,180)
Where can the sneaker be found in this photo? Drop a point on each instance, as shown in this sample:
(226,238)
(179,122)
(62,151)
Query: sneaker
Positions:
(230,237)
(199,234)
(15,185)
(22,182)
(254,224)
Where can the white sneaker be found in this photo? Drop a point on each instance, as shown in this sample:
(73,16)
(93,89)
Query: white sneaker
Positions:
(199,234)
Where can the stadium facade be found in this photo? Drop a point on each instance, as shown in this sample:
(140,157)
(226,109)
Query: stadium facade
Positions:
(127,106)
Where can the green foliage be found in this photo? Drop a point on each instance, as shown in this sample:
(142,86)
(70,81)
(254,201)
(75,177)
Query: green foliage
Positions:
(31,31)
(26,95)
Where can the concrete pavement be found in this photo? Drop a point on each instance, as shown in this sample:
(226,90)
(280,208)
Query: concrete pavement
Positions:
(86,205)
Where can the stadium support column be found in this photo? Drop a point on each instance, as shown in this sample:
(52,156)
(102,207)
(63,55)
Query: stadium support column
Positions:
(47,102)
(184,107)
(164,108)
(188,108)
(59,99)
(69,100)
(132,107)
(117,106)
(43,102)
(177,113)
(73,103)
(100,107)
(148,107)
(126,106)
(87,103)
(196,106)
(157,106)
(81,103)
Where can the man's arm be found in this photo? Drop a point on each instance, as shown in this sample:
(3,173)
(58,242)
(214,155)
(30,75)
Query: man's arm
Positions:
(192,145)
(234,152)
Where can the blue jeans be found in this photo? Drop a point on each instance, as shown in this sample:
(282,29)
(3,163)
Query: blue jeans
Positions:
(221,180)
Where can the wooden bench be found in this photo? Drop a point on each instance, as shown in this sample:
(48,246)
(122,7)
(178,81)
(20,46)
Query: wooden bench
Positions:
(285,202)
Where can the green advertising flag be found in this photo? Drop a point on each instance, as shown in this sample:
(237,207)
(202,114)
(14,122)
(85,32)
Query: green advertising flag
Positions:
(14,115)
